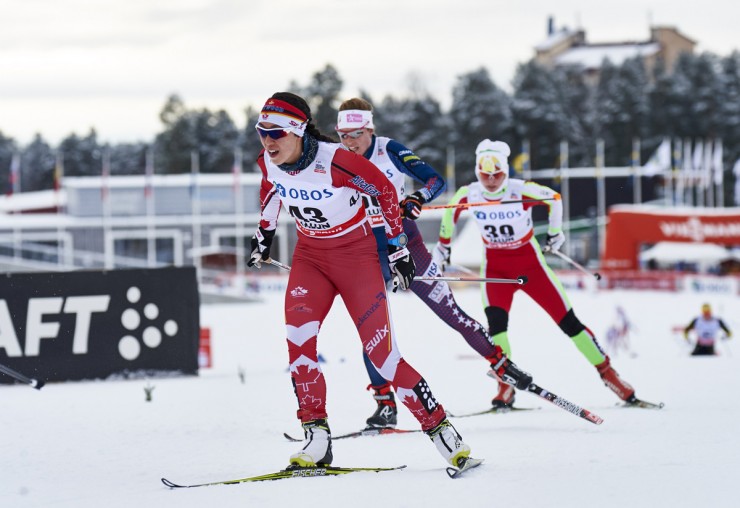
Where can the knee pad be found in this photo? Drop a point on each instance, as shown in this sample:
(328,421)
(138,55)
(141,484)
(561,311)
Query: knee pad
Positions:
(498,320)
(571,325)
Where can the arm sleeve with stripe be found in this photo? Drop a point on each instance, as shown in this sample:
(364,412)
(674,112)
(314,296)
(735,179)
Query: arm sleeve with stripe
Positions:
(269,199)
(549,198)
(451,215)
(411,164)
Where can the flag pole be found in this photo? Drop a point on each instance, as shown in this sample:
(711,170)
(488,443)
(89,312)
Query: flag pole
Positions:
(151,240)
(239,219)
(58,175)
(195,211)
(105,201)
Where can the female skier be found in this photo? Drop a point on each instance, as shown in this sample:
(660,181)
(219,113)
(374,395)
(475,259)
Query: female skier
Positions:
(357,133)
(511,249)
(319,183)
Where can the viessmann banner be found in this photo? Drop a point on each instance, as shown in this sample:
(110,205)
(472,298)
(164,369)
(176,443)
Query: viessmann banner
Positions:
(94,324)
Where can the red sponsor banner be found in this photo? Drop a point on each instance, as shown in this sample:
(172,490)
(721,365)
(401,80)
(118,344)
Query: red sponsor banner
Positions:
(205,360)
(633,279)
(629,227)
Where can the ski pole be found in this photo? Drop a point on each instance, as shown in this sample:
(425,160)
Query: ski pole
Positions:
(565,404)
(521,280)
(558,401)
(34,383)
(278,264)
(489,203)
(572,262)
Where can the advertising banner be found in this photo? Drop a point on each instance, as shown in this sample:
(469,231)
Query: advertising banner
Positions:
(96,324)
(630,227)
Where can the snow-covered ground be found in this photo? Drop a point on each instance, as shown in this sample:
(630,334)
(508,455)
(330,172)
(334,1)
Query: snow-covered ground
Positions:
(100,444)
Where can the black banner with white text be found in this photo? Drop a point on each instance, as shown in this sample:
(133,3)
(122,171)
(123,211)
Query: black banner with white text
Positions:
(95,324)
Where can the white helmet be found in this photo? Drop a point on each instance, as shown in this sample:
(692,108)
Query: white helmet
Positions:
(491,158)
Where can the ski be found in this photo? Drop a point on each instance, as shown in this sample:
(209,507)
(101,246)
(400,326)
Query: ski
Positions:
(468,464)
(642,404)
(289,472)
(364,432)
(492,411)
(565,404)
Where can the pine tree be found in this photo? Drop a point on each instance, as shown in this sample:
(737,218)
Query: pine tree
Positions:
(249,140)
(82,156)
(729,84)
(213,136)
(621,108)
(539,113)
(322,96)
(480,110)
(575,97)
(128,158)
(8,148)
(416,122)
(38,162)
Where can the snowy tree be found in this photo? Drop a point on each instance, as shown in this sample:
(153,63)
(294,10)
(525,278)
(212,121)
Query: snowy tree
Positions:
(82,156)
(249,140)
(671,99)
(539,113)
(576,99)
(212,135)
(416,122)
(621,109)
(8,148)
(730,106)
(322,96)
(706,94)
(128,158)
(480,110)
(38,162)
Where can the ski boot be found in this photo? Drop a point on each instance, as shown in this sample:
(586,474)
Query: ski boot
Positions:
(507,371)
(316,449)
(504,399)
(449,443)
(386,414)
(611,379)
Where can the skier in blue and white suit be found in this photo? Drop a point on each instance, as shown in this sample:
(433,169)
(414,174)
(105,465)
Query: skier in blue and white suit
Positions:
(357,133)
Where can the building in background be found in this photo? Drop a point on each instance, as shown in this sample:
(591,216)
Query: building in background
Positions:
(566,47)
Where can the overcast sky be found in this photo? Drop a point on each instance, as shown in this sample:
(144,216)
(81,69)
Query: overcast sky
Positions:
(69,65)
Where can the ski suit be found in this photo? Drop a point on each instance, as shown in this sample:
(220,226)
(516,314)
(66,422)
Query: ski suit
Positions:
(336,254)
(706,330)
(511,250)
(396,162)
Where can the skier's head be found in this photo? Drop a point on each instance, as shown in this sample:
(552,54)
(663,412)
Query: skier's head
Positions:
(492,166)
(284,121)
(355,124)
(706,310)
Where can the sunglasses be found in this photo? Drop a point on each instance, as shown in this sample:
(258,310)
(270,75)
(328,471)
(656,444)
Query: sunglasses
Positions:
(274,133)
(354,134)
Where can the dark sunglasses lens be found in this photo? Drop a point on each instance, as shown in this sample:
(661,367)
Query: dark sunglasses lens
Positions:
(274,134)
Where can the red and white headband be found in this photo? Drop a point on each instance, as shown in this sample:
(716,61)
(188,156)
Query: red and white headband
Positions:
(284,115)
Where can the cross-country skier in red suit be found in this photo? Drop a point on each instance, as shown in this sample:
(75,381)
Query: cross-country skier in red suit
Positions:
(511,249)
(319,183)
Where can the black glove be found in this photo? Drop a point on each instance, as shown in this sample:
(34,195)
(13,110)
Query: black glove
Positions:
(261,242)
(411,205)
(402,267)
